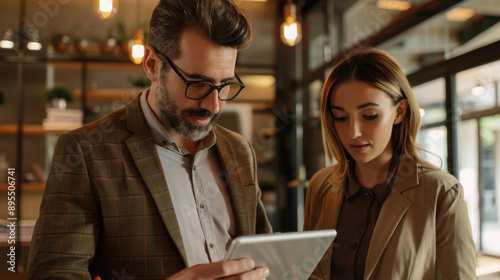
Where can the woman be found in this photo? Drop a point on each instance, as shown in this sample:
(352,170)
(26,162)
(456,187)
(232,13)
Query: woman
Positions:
(397,216)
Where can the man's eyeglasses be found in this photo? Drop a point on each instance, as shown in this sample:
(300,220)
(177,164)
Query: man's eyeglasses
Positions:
(197,90)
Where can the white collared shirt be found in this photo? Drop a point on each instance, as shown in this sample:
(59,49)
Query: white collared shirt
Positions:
(198,191)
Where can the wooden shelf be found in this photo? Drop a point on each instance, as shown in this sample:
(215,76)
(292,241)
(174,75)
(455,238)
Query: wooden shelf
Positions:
(31,129)
(109,94)
(96,65)
(25,186)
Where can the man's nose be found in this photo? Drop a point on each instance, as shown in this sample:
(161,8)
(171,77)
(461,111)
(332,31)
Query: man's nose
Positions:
(211,102)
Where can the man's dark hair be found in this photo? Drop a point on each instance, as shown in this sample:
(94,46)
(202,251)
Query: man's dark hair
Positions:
(220,21)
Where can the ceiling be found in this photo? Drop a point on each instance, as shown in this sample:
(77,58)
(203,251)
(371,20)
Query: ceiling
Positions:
(440,38)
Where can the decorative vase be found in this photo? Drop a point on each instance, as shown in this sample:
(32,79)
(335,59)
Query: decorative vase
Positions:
(59,103)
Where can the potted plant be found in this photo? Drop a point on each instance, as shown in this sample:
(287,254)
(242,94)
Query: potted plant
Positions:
(109,44)
(61,42)
(57,97)
(124,37)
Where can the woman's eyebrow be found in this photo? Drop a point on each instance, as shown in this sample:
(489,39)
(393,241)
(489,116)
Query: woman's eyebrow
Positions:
(367,105)
(359,106)
(337,108)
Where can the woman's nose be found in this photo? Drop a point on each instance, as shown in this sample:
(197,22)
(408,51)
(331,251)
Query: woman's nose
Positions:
(354,131)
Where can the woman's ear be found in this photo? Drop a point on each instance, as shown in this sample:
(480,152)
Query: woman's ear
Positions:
(401,110)
(151,63)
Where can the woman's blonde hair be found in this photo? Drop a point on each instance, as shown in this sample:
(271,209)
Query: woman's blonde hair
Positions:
(379,69)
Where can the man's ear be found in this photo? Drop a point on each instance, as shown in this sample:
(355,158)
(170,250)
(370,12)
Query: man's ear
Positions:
(401,110)
(151,63)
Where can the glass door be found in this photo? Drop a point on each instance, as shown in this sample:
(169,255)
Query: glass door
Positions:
(479,174)
(489,131)
(478,98)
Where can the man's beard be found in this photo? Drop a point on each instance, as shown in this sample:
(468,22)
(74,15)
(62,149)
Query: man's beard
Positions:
(175,119)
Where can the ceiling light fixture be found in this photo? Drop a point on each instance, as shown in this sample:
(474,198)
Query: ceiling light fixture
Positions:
(460,14)
(7,41)
(394,5)
(478,90)
(290,31)
(136,50)
(106,9)
(31,38)
(34,40)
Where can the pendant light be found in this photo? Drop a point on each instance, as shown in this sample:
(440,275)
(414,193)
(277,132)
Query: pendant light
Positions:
(478,90)
(29,39)
(106,9)
(290,31)
(136,50)
(397,5)
(34,40)
(7,41)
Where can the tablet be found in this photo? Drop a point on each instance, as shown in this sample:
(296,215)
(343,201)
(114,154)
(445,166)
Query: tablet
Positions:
(291,255)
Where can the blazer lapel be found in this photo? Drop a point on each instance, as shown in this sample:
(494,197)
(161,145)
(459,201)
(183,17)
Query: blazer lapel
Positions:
(231,173)
(391,214)
(142,149)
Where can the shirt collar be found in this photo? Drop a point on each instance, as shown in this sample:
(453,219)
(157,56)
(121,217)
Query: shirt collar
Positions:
(160,134)
(380,190)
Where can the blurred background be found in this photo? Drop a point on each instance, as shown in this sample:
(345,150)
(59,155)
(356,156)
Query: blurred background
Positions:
(65,63)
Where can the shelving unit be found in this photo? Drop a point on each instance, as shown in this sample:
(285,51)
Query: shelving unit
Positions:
(95,80)
(109,94)
(28,129)
(26,187)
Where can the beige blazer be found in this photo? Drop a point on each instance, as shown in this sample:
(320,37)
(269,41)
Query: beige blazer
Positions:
(423,230)
(107,209)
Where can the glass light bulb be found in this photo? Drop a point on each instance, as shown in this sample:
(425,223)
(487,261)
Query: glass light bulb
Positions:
(136,46)
(137,52)
(478,90)
(6,44)
(291,32)
(105,8)
(34,46)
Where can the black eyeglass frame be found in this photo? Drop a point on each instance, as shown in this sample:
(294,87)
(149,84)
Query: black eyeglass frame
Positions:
(212,86)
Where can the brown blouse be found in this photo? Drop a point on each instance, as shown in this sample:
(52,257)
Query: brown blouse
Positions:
(358,216)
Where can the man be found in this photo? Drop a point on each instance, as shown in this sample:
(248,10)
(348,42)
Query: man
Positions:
(157,186)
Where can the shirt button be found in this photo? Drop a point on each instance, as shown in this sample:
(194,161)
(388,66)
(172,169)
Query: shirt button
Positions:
(367,196)
(211,245)
(164,143)
(202,206)
(354,246)
(194,168)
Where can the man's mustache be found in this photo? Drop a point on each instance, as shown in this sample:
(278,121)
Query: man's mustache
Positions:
(198,113)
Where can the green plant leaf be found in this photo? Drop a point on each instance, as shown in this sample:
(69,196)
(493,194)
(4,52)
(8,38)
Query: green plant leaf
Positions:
(58,91)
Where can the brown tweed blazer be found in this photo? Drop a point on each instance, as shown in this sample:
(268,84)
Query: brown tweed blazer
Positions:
(107,210)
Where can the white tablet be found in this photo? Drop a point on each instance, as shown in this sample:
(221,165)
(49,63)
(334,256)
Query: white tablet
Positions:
(291,255)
